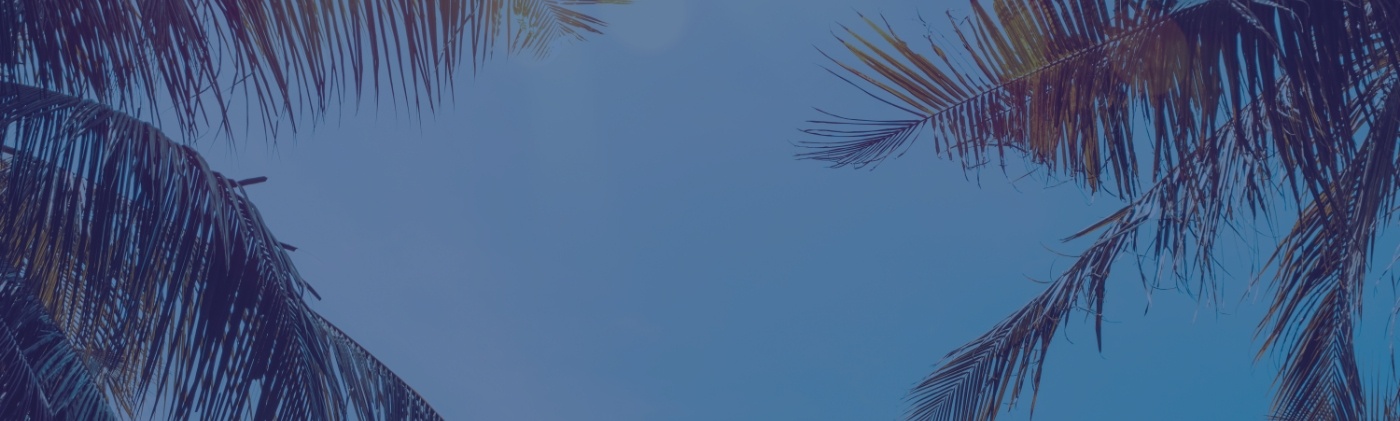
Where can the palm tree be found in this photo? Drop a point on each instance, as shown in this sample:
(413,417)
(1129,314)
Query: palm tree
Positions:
(135,279)
(1249,109)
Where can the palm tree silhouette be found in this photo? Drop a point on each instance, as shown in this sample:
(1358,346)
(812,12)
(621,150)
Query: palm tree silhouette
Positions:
(135,279)
(1251,109)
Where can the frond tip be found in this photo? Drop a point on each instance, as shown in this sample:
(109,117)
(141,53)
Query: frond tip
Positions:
(972,382)
(860,143)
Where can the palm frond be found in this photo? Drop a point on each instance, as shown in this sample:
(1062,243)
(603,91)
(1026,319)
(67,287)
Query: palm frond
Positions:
(161,270)
(1188,205)
(1322,267)
(1049,80)
(287,57)
(972,382)
(1245,102)
(41,376)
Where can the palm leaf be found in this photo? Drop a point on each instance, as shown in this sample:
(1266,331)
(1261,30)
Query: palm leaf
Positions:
(1322,267)
(972,382)
(1246,103)
(1045,83)
(42,377)
(287,57)
(161,270)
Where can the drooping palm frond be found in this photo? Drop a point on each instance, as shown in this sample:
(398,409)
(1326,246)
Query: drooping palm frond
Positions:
(1323,264)
(41,376)
(1246,104)
(972,382)
(286,57)
(164,277)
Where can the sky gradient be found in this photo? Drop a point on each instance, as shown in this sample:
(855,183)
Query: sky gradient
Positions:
(620,232)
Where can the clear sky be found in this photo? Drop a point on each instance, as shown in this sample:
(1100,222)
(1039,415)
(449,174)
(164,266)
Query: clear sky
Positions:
(620,232)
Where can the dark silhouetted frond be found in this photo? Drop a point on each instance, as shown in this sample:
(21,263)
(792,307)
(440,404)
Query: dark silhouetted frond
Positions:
(143,280)
(1247,106)
(162,273)
(972,382)
(1322,268)
(1062,82)
(286,57)
(41,376)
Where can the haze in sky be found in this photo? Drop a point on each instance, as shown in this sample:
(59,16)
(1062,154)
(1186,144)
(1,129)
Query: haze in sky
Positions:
(620,232)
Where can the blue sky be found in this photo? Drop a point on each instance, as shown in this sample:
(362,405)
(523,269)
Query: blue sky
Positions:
(620,232)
